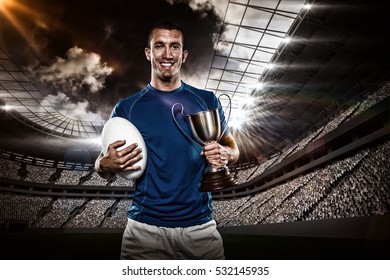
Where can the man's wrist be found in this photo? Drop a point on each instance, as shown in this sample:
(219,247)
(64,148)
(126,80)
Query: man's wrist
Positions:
(101,173)
(229,154)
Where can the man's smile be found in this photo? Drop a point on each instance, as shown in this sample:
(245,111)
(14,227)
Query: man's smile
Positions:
(167,64)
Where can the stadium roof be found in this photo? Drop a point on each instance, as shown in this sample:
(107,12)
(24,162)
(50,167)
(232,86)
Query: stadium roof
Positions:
(21,95)
(254,33)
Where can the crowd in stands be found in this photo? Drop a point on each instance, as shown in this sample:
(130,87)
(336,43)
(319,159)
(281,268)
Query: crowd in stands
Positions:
(353,187)
(9,168)
(336,121)
(44,175)
(95,180)
(71,177)
(243,175)
(121,182)
(59,213)
(308,194)
(21,207)
(39,174)
(46,212)
(91,215)
(118,219)
(262,167)
(373,98)
(364,192)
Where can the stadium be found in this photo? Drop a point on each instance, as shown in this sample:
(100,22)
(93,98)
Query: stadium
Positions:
(310,85)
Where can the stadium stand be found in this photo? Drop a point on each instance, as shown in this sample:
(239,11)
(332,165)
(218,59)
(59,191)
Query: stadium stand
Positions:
(60,211)
(71,177)
(117,217)
(91,214)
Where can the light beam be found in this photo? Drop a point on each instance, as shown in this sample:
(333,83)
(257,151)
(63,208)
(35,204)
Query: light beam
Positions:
(17,13)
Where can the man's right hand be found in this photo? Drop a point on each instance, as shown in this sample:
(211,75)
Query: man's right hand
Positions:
(114,161)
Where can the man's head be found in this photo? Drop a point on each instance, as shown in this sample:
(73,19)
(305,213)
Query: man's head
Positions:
(166,52)
(168,25)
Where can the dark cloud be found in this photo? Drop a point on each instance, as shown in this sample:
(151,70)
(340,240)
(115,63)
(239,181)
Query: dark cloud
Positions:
(78,70)
(79,110)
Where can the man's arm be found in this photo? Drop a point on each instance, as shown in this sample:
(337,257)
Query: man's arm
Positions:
(230,145)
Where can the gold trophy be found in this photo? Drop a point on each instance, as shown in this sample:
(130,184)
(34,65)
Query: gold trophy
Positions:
(205,127)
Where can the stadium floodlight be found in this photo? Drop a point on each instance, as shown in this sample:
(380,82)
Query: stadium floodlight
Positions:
(7,107)
(239,119)
(287,40)
(307,6)
(94,140)
(249,101)
(270,66)
(259,86)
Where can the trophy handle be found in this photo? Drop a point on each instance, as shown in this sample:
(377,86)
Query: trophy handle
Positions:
(230,111)
(178,125)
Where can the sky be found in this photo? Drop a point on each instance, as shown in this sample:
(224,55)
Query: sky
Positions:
(89,54)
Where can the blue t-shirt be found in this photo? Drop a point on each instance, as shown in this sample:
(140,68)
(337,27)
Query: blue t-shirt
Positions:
(167,194)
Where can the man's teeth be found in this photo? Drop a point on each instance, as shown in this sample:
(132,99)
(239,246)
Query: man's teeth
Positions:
(166,64)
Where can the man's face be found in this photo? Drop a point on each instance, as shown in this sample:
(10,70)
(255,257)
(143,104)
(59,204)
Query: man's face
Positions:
(166,54)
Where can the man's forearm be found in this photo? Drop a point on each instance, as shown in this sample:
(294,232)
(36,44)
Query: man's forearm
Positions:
(231,146)
(233,155)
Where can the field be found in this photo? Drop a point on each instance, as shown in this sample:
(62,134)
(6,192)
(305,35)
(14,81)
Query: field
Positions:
(106,246)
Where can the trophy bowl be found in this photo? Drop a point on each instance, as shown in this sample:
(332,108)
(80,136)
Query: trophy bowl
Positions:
(206,127)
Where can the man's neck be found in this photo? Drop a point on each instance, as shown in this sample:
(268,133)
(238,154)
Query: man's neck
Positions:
(165,85)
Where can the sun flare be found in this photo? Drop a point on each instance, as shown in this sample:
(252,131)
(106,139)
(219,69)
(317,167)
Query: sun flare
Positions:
(7,4)
(3,2)
(20,17)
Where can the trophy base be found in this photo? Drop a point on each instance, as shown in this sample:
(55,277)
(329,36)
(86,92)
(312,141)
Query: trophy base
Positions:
(216,180)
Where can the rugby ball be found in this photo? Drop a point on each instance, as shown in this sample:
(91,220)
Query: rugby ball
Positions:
(118,128)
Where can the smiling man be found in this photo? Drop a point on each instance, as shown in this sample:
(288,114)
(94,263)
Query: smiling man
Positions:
(169,217)
(166,54)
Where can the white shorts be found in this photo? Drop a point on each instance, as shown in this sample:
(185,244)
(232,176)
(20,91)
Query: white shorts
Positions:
(147,242)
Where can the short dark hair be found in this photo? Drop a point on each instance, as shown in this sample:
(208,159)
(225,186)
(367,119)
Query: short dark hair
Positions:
(168,25)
